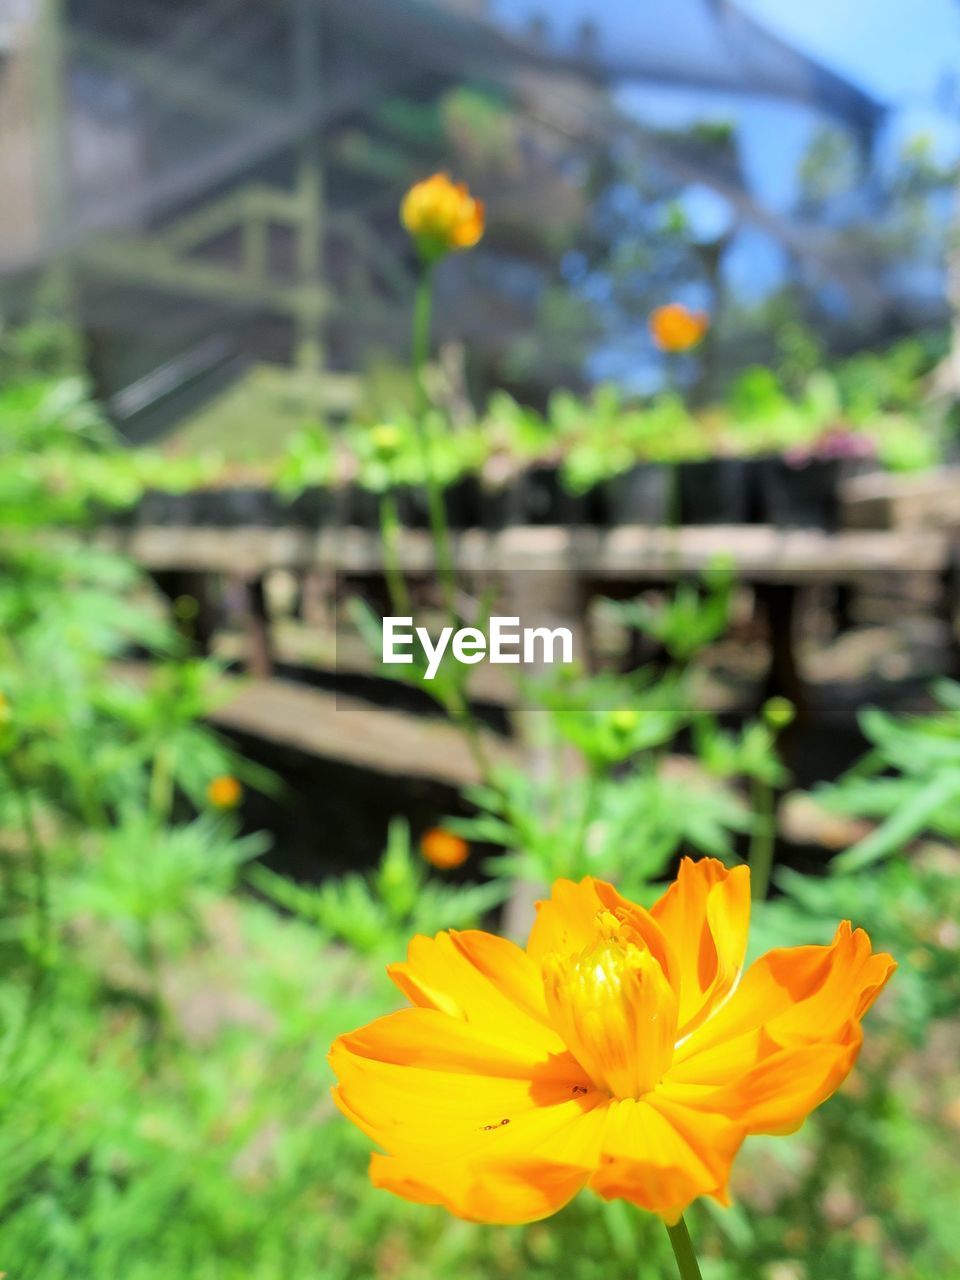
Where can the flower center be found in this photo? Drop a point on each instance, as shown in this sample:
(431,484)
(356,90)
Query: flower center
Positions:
(615,1010)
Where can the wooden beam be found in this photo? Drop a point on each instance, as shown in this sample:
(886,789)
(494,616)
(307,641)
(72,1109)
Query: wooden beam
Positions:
(258,202)
(256,624)
(348,730)
(928,500)
(635,553)
(149,262)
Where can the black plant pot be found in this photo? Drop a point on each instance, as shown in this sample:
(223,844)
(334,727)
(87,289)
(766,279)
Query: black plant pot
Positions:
(247,507)
(177,509)
(638,496)
(413,506)
(501,506)
(716,491)
(805,496)
(115,517)
(463,502)
(312,509)
(543,499)
(209,508)
(361,507)
(339,504)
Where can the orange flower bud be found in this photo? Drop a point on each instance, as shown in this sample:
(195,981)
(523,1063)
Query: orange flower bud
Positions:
(442,215)
(675,328)
(444,850)
(224,792)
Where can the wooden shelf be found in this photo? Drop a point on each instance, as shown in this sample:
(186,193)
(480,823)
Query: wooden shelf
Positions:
(757,552)
(333,726)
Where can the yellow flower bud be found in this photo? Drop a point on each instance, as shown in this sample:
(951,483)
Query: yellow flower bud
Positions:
(224,792)
(675,328)
(442,215)
(624,720)
(443,849)
(386,440)
(779,712)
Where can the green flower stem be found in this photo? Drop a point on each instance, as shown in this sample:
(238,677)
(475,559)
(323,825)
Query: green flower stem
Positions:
(762,840)
(591,788)
(161,785)
(459,709)
(396,583)
(456,703)
(687,1263)
(422,313)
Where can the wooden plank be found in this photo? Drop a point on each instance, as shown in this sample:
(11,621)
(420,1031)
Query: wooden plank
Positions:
(335,727)
(929,500)
(346,654)
(348,730)
(149,262)
(631,553)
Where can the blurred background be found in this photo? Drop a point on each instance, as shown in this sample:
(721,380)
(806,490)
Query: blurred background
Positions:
(221,816)
(210,189)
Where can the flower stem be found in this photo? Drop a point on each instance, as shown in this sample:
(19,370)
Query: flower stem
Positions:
(457,705)
(161,785)
(586,813)
(396,583)
(422,312)
(687,1263)
(762,840)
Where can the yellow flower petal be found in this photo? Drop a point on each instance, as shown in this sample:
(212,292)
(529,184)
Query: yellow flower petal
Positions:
(661,1155)
(790,1034)
(523,1190)
(523,1075)
(493,1132)
(481,979)
(709,907)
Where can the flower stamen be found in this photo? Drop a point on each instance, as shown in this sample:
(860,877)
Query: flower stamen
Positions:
(615,1010)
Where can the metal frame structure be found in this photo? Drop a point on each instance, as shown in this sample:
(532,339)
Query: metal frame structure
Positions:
(256,89)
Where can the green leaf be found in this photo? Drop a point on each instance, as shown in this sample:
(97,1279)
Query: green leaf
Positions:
(903,826)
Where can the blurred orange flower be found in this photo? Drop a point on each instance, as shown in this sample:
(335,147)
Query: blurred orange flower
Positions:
(443,849)
(224,792)
(676,328)
(623,1049)
(442,215)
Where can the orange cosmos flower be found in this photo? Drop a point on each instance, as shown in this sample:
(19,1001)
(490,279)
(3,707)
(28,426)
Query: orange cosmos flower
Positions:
(676,328)
(224,792)
(443,849)
(442,215)
(623,1049)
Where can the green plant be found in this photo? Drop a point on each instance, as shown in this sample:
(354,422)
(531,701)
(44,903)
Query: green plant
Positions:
(375,914)
(689,619)
(308,460)
(909,781)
